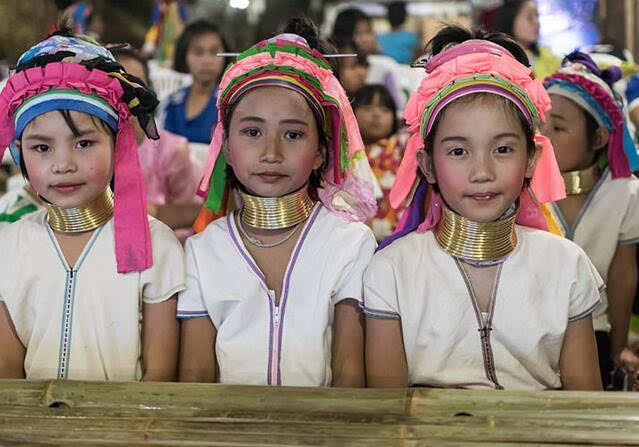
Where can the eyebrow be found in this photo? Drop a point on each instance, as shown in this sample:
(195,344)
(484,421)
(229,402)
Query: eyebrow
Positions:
(285,121)
(43,137)
(456,138)
(556,115)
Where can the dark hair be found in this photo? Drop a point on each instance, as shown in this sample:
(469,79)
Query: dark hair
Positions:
(456,35)
(345,23)
(396,13)
(505,17)
(366,95)
(132,53)
(189,33)
(305,28)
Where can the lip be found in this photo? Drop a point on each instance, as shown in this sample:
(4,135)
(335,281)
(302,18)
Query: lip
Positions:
(66,188)
(270,176)
(483,196)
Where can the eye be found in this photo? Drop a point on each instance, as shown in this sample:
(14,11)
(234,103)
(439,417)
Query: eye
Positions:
(504,150)
(40,148)
(83,144)
(558,129)
(293,135)
(252,132)
(457,152)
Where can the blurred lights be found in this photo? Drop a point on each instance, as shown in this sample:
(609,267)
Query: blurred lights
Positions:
(239,4)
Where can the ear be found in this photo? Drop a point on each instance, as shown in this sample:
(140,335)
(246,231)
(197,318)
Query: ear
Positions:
(602,135)
(425,163)
(225,149)
(532,160)
(319,156)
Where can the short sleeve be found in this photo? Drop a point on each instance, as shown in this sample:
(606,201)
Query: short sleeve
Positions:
(182,175)
(191,299)
(350,283)
(165,277)
(629,231)
(586,291)
(380,290)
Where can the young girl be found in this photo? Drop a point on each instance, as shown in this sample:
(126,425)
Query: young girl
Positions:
(596,156)
(375,111)
(274,288)
(78,275)
(191,111)
(470,299)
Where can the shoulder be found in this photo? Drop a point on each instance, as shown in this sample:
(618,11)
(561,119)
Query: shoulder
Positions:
(338,230)
(172,139)
(408,249)
(553,247)
(21,233)
(213,235)
(162,233)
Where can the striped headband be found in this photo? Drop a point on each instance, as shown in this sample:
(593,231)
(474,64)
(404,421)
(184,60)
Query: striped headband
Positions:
(576,82)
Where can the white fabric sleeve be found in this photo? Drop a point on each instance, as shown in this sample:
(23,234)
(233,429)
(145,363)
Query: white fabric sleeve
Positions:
(629,231)
(191,300)
(350,282)
(586,290)
(380,290)
(165,277)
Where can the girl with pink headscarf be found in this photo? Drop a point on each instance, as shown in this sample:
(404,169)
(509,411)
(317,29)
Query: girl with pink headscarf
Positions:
(472,291)
(89,284)
(274,285)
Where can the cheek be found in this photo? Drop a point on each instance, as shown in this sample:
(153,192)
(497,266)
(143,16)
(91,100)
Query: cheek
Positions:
(449,176)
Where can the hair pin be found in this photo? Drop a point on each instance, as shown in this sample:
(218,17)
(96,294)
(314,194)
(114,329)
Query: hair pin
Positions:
(324,55)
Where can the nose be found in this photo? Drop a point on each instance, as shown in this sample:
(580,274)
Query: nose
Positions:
(483,169)
(271,153)
(64,162)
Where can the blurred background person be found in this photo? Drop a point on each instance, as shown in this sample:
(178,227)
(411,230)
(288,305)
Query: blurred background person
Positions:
(400,44)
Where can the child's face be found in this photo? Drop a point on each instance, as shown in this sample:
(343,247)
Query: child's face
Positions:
(526,24)
(364,37)
(352,74)
(273,143)
(67,170)
(375,120)
(566,128)
(201,58)
(479,168)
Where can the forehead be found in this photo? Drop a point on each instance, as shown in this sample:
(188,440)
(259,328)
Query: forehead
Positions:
(273,103)
(565,107)
(207,39)
(491,114)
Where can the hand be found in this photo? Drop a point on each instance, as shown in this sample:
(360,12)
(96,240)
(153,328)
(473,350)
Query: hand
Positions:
(629,361)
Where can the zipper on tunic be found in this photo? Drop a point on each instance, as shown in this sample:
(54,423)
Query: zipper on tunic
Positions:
(65,340)
(485,325)
(275,341)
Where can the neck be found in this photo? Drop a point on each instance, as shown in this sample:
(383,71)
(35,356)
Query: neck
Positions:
(83,218)
(274,213)
(581,181)
(478,243)
(203,88)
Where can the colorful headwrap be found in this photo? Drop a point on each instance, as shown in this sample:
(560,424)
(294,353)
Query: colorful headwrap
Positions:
(76,73)
(581,81)
(287,61)
(474,66)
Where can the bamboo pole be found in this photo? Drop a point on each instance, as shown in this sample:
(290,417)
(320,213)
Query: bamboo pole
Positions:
(92,413)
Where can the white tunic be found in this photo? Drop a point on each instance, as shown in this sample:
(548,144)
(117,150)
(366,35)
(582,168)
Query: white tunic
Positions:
(608,217)
(544,284)
(82,323)
(258,342)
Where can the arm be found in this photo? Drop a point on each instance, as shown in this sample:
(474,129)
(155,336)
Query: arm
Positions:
(578,364)
(160,340)
(11,350)
(347,361)
(622,285)
(385,355)
(197,350)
